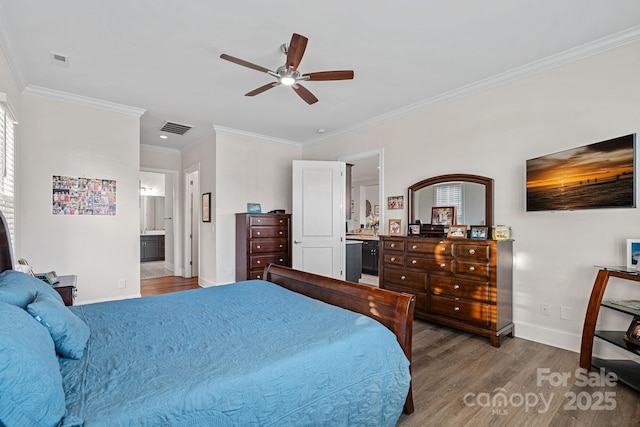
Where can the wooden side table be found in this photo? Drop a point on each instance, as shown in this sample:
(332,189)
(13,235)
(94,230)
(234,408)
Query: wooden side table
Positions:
(66,287)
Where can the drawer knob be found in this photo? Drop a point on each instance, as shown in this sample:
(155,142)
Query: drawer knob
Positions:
(393,245)
(258,262)
(456,287)
(441,241)
(456,308)
(442,249)
(443,265)
(281,245)
(259,220)
(258,246)
(403,277)
(258,233)
(281,221)
(472,269)
(414,262)
(281,260)
(472,251)
(259,276)
(393,259)
(414,247)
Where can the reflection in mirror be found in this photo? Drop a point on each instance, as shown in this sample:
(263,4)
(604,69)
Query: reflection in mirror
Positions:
(152,214)
(467,198)
(471,195)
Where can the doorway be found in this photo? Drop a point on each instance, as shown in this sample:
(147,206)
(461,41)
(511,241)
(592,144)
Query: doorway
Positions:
(368,205)
(159,231)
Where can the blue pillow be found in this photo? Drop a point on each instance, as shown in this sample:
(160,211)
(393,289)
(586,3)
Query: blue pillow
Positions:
(31,390)
(70,334)
(20,289)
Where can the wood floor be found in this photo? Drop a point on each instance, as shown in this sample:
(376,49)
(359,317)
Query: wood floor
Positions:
(164,285)
(458,379)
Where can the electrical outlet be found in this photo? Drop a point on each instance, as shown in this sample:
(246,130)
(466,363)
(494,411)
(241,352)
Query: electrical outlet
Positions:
(122,284)
(565,312)
(545,309)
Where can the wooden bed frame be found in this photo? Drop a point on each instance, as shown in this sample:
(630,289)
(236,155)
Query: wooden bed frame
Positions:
(394,310)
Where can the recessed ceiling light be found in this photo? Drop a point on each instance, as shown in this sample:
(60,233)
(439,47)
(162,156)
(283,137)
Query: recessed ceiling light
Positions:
(320,131)
(163,137)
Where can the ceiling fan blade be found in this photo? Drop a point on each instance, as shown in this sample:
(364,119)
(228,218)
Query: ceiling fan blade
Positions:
(330,75)
(304,93)
(243,63)
(297,45)
(261,89)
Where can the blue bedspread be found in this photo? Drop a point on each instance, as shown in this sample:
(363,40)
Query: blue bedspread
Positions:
(250,353)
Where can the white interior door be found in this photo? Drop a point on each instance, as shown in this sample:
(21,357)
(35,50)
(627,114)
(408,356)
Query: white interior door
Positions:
(319,218)
(192,223)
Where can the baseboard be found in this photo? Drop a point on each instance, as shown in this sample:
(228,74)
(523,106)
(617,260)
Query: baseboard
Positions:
(553,337)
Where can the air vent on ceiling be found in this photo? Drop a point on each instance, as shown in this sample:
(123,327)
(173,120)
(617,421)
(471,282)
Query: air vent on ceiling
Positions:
(176,128)
(59,59)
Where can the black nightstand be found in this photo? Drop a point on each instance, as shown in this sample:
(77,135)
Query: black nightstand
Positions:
(67,288)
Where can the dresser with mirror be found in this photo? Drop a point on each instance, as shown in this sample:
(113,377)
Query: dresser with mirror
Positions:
(458,282)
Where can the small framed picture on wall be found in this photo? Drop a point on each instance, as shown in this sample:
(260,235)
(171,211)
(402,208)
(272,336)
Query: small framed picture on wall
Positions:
(206,207)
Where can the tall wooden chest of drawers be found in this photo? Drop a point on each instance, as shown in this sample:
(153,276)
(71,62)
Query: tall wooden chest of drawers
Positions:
(261,239)
(461,283)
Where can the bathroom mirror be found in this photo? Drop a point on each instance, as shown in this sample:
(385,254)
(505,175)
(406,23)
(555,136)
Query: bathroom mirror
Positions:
(476,206)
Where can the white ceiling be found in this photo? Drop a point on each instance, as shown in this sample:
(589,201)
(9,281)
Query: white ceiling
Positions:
(163,56)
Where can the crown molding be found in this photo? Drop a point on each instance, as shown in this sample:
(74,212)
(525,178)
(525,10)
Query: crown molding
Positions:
(82,100)
(604,44)
(221,130)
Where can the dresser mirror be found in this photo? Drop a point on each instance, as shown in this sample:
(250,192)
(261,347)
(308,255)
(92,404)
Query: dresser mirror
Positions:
(476,203)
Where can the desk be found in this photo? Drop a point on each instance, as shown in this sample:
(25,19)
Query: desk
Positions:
(66,287)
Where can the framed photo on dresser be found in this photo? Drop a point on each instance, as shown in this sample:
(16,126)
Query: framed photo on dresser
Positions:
(443,215)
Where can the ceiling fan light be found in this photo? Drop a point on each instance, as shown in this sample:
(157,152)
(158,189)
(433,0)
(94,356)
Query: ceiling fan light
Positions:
(287,80)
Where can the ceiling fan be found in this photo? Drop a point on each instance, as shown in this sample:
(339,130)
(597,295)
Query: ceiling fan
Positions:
(288,74)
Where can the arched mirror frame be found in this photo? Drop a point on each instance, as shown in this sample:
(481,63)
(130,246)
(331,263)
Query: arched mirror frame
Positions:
(477,179)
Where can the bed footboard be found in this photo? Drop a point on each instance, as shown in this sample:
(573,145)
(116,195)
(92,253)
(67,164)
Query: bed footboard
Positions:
(393,309)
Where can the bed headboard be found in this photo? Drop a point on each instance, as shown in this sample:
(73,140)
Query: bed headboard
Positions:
(6,254)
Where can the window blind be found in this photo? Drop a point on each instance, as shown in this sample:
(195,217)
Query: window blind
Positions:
(450,195)
(7,146)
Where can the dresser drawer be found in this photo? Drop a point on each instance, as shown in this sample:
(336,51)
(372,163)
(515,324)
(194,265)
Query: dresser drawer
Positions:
(474,251)
(477,269)
(267,220)
(394,245)
(268,232)
(475,312)
(262,261)
(256,274)
(460,288)
(417,281)
(265,246)
(429,247)
(432,264)
(394,259)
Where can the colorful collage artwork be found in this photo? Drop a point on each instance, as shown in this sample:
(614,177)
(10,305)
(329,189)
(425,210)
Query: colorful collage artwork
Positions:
(83,196)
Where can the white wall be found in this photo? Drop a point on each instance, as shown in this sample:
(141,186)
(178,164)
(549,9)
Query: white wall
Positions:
(492,134)
(248,170)
(63,138)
